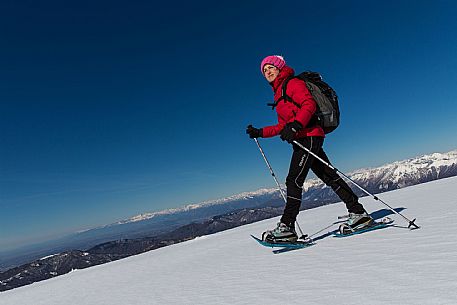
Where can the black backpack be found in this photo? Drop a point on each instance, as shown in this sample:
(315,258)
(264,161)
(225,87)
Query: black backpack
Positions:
(328,112)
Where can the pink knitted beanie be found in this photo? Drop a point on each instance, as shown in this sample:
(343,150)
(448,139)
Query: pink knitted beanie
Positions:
(275,60)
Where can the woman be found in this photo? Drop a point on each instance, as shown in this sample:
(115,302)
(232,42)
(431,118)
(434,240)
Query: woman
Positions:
(297,123)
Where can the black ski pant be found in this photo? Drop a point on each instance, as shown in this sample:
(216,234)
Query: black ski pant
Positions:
(300,164)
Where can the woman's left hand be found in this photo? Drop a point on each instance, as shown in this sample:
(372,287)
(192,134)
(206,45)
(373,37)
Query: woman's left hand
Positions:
(289,131)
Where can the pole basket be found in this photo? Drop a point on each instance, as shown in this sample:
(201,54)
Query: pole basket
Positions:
(412,225)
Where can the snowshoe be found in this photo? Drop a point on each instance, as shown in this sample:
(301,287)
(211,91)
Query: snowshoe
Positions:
(285,246)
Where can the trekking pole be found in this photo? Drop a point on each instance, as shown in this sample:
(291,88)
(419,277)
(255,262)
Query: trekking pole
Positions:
(411,224)
(277,182)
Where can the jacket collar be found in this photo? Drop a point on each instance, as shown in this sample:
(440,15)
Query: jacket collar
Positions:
(285,72)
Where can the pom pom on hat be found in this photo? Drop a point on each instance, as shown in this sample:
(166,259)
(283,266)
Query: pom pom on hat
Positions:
(275,60)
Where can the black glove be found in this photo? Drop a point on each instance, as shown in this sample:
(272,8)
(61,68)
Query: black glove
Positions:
(289,131)
(253,132)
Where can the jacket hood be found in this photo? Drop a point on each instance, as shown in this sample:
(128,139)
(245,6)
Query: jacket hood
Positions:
(285,72)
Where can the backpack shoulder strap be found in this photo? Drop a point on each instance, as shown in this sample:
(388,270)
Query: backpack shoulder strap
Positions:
(284,95)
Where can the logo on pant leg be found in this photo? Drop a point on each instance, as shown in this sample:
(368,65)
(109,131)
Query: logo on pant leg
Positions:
(302,160)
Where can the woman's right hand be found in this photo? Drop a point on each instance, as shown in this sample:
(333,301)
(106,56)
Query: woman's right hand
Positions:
(254,132)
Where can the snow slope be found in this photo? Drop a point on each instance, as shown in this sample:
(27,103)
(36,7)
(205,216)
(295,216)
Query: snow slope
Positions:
(388,266)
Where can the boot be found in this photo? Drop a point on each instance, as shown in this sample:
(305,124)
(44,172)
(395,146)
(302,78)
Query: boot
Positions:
(359,221)
(281,234)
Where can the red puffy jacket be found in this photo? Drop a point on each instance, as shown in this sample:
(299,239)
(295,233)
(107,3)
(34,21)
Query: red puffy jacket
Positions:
(288,111)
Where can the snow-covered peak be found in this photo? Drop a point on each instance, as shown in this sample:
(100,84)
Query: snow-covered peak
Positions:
(396,172)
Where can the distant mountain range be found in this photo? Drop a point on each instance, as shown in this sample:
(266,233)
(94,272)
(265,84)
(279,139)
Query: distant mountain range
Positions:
(376,180)
(153,230)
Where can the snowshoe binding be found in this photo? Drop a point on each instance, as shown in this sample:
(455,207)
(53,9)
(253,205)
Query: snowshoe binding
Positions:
(355,222)
(361,224)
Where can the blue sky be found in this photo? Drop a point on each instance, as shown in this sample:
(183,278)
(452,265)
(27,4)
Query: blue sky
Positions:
(113,108)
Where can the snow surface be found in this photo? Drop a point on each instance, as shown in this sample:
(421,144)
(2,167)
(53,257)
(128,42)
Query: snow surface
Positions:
(389,266)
